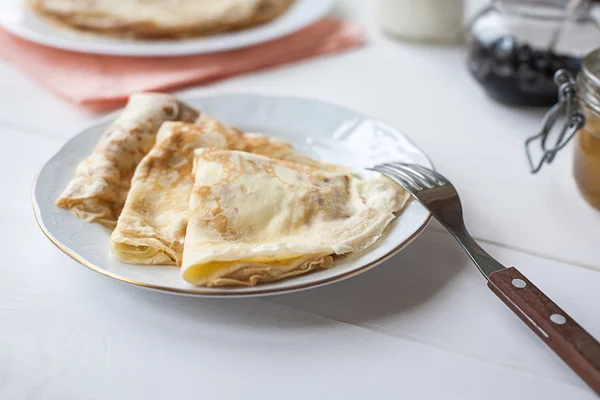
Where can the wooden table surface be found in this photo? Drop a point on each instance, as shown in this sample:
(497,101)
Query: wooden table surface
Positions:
(422,325)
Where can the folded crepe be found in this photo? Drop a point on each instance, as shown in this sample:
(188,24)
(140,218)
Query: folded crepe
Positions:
(257,219)
(258,143)
(153,19)
(97,192)
(151,228)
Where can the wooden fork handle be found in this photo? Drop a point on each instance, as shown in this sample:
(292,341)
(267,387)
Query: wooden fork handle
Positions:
(554,326)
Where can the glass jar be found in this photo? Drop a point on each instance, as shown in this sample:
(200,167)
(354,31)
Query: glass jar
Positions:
(580,101)
(428,21)
(587,149)
(516,47)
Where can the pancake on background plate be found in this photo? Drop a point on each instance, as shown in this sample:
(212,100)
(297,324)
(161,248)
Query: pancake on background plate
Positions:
(151,228)
(256,219)
(159,19)
(97,192)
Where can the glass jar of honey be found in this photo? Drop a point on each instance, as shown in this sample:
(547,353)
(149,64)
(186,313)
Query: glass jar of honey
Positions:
(580,100)
(587,150)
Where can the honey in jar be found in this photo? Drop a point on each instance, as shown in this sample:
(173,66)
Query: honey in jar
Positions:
(587,158)
(580,99)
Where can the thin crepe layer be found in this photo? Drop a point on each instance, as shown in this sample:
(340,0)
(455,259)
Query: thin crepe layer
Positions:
(255,213)
(98,191)
(252,273)
(260,144)
(159,19)
(151,228)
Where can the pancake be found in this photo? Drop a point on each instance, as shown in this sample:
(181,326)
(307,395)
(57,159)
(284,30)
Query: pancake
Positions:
(151,228)
(97,192)
(257,219)
(260,144)
(155,19)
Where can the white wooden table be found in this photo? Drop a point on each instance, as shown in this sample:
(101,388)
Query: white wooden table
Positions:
(422,325)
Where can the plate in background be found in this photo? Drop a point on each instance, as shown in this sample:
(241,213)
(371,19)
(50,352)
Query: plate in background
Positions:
(22,22)
(321,130)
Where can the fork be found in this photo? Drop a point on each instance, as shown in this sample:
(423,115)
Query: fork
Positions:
(556,328)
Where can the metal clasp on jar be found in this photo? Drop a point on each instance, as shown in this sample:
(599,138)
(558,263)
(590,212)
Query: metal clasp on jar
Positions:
(575,120)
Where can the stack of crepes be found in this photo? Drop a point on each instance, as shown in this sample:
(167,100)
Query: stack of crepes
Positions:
(230,208)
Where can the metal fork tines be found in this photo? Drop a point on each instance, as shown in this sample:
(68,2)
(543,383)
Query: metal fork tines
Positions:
(439,196)
(560,332)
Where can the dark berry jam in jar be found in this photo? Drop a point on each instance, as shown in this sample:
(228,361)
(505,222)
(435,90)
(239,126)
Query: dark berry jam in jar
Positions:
(511,52)
(517,74)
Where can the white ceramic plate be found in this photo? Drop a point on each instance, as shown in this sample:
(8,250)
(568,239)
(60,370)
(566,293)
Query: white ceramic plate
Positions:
(323,131)
(15,18)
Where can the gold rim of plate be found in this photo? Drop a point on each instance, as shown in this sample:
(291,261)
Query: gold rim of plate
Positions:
(199,291)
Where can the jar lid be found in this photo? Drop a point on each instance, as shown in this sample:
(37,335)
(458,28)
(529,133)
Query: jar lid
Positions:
(557,3)
(547,3)
(552,9)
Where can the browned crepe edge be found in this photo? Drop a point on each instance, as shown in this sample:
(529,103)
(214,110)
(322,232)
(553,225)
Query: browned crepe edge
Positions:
(103,211)
(150,30)
(251,276)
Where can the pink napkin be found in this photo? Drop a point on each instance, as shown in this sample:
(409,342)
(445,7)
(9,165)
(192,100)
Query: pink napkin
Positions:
(100,83)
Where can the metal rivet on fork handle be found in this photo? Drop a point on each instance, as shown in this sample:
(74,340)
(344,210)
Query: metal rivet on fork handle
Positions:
(558,319)
(519,283)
